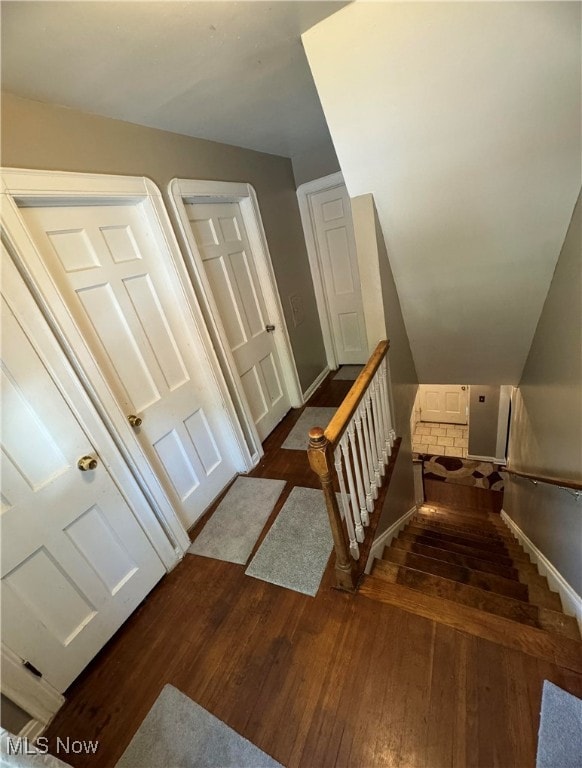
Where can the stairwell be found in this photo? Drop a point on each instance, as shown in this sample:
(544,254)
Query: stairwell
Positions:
(463,568)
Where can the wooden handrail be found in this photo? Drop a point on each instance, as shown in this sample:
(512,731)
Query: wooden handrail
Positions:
(561,482)
(344,413)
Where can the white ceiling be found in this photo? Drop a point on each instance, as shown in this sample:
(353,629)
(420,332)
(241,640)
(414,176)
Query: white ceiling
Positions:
(233,72)
(463,120)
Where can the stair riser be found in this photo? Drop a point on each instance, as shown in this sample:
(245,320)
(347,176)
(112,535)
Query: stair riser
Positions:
(496,548)
(461,549)
(488,538)
(463,575)
(436,525)
(455,558)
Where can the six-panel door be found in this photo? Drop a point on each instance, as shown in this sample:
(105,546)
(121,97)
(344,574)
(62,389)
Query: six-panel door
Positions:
(223,244)
(334,232)
(75,562)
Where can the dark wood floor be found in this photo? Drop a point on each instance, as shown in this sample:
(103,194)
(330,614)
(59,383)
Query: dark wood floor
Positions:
(335,680)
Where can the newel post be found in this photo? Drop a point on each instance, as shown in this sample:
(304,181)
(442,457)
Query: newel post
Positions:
(319,453)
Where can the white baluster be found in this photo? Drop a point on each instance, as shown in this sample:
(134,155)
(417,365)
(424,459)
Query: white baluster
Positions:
(391,432)
(354,499)
(378,426)
(358,473)
(354,549)
(373,450)
(362,427)
(386,448)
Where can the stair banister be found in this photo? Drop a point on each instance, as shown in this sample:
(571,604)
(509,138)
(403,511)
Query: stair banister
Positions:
(357,443)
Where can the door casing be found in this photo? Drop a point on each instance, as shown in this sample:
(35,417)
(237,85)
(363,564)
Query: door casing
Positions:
(184,191)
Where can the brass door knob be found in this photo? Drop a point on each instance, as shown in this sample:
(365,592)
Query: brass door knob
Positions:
(135,421)
(87,463)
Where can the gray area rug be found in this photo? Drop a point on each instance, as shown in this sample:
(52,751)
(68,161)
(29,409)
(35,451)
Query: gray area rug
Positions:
(348,372)
(237,522)
(298,438)
(178,733)
(560,734)
(296,549)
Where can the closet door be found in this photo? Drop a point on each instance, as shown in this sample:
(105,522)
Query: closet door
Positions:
(112,267)
(237,295)
(75,562)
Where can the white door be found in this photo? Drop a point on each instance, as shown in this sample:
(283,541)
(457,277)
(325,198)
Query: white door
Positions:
(75,562)
(230,269)
(336,245)
(122,295)
(443,403)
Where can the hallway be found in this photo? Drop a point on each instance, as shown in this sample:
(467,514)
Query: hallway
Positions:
(335,680)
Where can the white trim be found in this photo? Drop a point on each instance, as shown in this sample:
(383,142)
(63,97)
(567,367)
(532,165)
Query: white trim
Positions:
(304,192)
(198,190)
(386,537)
(315,385)
(31,693)
(490,459)
(571,600)
(32,730)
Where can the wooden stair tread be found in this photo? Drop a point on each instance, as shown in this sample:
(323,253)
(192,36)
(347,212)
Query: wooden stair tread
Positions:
(477,564)
(440,525)
(506,541)
(462,549)
(481,542)
(563,651)
(488,581)
(500,605)
(486,531)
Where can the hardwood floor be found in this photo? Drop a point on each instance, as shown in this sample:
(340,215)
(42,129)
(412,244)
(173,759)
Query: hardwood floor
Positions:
(335,680)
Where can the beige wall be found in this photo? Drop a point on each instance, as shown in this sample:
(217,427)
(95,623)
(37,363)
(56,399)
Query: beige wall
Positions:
(49,137)
(546,429)
(318,162)
(384,320)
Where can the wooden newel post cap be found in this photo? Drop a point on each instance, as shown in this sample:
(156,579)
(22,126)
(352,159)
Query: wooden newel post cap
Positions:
(316,437)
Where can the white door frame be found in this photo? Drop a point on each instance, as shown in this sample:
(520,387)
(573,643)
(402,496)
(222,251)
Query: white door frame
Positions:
(184,191)
(304,193)
(157,516)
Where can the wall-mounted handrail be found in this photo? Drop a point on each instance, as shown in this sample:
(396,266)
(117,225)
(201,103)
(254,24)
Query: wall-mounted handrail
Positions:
(560,482)
(354,449)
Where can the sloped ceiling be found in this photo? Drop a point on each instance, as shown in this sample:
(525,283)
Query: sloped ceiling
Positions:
(463,120)
(233,72)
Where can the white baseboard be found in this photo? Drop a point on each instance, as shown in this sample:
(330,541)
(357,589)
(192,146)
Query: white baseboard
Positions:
(318,381)
(386,537)
(490,459)
(32,730)
(571,600)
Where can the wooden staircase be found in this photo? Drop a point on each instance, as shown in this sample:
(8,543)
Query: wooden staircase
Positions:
(463,568)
